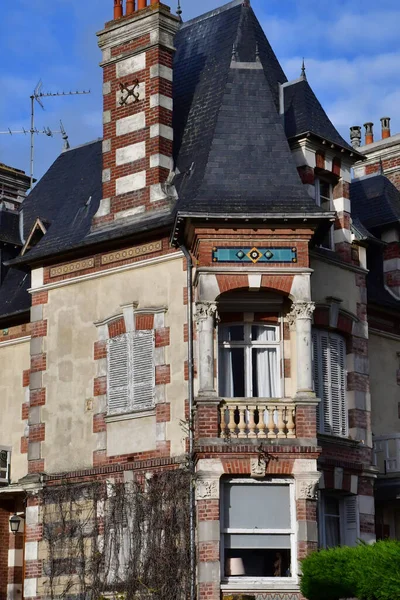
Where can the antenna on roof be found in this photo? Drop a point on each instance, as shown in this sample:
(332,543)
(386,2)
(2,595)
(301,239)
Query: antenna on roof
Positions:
(179,10)
(303,70)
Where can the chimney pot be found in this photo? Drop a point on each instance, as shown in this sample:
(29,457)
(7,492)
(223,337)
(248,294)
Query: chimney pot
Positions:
(355,136)
(385,127)
(130,7)
(142,4)
(369,133)
(118,11)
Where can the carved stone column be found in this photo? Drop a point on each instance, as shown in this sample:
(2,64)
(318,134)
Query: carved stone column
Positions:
(205,319)
(299,319)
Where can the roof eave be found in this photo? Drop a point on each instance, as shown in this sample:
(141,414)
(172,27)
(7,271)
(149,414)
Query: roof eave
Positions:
(351,151)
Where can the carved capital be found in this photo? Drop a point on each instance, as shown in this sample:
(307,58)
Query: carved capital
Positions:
(207,489)
(205,311)
(307,486)
(300,310)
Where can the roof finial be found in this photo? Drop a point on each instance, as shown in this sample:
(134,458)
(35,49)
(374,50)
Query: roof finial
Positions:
(303,70)
(179,10)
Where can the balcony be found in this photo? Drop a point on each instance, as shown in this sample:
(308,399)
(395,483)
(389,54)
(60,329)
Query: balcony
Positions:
(262,419)
(386,453)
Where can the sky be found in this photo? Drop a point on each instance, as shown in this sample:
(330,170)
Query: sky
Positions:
(351,50)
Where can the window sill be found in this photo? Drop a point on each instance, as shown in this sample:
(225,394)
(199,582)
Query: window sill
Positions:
(338,439)
(259,584)
(131,415)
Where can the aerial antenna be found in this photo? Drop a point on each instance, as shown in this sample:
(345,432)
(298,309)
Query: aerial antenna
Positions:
(179,10)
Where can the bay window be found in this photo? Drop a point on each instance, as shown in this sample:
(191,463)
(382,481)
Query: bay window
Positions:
(257,529)
(249,360)
(324,198)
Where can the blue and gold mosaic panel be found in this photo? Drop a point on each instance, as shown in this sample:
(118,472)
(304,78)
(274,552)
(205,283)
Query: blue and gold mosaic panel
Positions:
(254,255)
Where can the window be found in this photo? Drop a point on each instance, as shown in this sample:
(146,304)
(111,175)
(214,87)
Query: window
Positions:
(338,520)
(249,361)
(257,529)
(329,366)
(131,372)
(5,459)
(323,196)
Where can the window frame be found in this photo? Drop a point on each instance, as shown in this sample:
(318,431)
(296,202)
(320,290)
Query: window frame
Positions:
(230,581)
(318,197)
(344,528)
(5,473)
(317,335)
(248,345)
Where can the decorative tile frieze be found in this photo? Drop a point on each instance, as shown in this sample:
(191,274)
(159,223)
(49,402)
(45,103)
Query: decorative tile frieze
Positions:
(254,255)
(127,253)
(79,265)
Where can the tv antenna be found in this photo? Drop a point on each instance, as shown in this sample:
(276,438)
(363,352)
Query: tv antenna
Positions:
(37,96)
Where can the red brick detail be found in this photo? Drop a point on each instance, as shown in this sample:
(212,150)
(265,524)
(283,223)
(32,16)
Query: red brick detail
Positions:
(365,486)
(343,249)
(367,523)
(336,166)
(357,345)
(362,312)
(185,296)
(34,533)
(342,221)
(25,377)
(306,174)
(227,283)
(208,510)
(14,575)
(37,433)
(24,445)
(100,386)
(357,382)
(99,423)
(209,591)
(208,551)
(287,367)
(25,411)
(306,548)
(100,350)
(4,537)
(266,317)
(36,466)
(38,397)
(341,190)
(186,335)
(286,331)
(38,363)
(281,283)
(359,418)
(321,316)
(306,421)
(344,324)
(145,321)
(163,374)
(162,337)
(33,568)
(207,421)
(392,250)
(40,298)
(306,510)
(116,327)
(236,466)
(186,370)
(320,160)
(99,458)
(39,329)
(163,413)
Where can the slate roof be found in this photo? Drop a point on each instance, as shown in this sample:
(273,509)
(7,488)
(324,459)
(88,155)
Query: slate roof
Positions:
(375,201)
(231,149)
(9,227)
(14,297)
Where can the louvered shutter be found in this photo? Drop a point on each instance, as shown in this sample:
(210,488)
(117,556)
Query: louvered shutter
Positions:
(343,386)
(338,384)
(325,386)
(118,376)
(351,521)
(143,371)
(316,363)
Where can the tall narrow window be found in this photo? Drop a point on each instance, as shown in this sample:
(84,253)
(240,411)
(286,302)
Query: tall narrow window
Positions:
(249,361)
(329,366)
(323,196)
(131,372)
(338,520)
(5,459)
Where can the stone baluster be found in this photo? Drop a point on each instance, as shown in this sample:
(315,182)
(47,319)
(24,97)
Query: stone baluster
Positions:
(281,422)
(242,423)
(262,433)
(271,422)
(232,424)
(252,423)
(290,426)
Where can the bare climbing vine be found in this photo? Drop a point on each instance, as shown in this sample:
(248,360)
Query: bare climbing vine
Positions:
(119,540)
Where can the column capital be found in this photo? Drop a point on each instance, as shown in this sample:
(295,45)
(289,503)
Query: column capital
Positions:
(205,310)
(300,310)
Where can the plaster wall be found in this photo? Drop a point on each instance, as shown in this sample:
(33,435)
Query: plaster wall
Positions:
(331,280)
(14,359)
(72,312)
(385,393)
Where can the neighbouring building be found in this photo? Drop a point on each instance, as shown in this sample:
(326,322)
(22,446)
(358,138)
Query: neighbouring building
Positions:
(195,292)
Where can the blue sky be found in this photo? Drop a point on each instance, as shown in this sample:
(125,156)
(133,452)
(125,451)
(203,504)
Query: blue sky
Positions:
(351,48)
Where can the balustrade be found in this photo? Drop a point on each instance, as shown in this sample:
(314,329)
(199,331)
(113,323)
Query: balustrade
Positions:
(241,419)
(387,453)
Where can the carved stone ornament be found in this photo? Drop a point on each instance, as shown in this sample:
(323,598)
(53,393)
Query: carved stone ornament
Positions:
(258,467)
(205,310)
(300,310)
(207,490)
(307,489)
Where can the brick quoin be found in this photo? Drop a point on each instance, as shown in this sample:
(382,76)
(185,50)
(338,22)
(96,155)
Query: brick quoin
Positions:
(40,298)
(25,411)
(162,337)
(36,466)
(38,397)
(4,537)
(306,421)
(145,321)
(100,386)
(99,423)
(208,510)
(163,413)
(39,329)
(25,377)
(38,363)
(100,350)
(37,433)
(116,327)
(163,374)
(207,425)
(208,551)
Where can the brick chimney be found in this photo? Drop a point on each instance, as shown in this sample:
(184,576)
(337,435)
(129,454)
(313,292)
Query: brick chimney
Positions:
(385,127)
(369,133)
(138,50)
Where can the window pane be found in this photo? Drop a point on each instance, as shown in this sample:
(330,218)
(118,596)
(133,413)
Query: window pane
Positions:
(265,373)
(324,189)
(252,540)
(331,506)
(263,333)
(231,372)
(232,333)
(257,562)
(3,459)
(332,531)
(251,506)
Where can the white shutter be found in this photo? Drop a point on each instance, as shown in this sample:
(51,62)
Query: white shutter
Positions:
(143,371)
(351,521)
(325,387)
(316,363)
(5,459)
(118,374)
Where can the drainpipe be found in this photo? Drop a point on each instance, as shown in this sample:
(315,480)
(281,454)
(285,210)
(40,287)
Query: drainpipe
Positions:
(21,225)
(191,424)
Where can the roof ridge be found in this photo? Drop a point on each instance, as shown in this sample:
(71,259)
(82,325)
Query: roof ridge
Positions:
(82,145)
(211,13)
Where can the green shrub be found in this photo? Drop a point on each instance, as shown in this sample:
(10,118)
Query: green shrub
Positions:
(367,572)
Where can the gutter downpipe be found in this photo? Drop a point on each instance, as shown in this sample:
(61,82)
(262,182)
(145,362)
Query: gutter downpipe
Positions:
(192,532)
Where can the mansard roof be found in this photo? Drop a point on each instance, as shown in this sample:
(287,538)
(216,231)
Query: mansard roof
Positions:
(231,149)
(304,114)
(9,226)
(375,201)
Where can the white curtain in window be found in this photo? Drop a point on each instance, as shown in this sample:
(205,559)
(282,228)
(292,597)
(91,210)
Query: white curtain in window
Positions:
(267,364)
(225,373)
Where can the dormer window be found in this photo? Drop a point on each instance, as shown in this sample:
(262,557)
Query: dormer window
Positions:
(5,460)
(324,199)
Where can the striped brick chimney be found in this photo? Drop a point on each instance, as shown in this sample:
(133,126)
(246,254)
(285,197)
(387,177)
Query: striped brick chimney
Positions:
(138,50)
